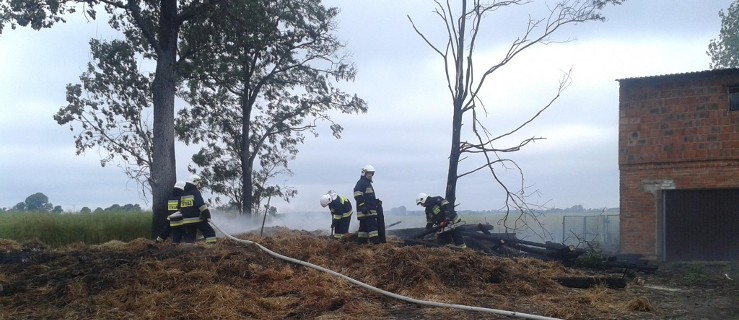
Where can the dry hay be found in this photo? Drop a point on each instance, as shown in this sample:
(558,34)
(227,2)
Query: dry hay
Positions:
(640,304)
(230,280)
(8,246)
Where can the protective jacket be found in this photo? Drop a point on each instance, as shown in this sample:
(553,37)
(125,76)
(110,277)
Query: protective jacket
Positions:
(174,218)
(341,216)
(366,199)
(438,209)
(340,208)
(173,215)
(192,206)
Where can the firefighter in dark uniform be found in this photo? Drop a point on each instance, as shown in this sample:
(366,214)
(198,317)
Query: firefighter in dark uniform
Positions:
(369,209)
(195,213)
(440,214)
(341,213)
(174,217)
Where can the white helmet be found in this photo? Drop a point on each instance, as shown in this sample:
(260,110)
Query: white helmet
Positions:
(325,200)
(368,168)
(180,185)
(195,180)
(421,198)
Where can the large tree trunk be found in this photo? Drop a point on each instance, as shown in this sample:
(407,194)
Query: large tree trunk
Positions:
(163,167)
(247,185)
(454,154)
(459,96)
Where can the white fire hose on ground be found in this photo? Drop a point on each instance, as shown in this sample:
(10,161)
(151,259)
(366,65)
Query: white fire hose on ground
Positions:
(387,293)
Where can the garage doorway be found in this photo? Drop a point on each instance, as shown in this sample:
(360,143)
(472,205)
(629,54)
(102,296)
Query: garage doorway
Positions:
(701,225)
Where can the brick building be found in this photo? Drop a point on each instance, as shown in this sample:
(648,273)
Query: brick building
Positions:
(679,165)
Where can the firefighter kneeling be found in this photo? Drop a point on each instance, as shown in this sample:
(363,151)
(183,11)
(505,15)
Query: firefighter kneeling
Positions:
(441,215)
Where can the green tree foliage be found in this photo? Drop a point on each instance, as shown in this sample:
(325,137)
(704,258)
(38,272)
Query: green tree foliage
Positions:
(20,206)
(260,74)
(114,208)
(37,202)
(85,210)
(152,29)
(724,51)
(131,208)
(37,14)
(109,108)
(125,208)
(466,79)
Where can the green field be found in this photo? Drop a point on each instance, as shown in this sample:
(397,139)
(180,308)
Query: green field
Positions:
(62,229)
(95,228)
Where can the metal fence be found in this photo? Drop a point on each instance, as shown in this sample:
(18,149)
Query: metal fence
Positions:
(601,232)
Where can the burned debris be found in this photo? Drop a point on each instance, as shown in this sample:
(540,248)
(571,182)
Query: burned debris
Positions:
(614,270)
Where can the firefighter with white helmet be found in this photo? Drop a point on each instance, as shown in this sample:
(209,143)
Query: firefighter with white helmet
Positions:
(195,180)
(368,169)
(440,214)
(325,200)
(421,198)
(369,209)
(341,213)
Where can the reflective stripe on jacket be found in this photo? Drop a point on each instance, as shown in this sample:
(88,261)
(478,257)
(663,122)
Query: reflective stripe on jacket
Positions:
(175,219)
(340,208)
(192,205)
(366,198)
(438,209)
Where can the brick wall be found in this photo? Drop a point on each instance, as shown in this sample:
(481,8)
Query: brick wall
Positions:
(675,132)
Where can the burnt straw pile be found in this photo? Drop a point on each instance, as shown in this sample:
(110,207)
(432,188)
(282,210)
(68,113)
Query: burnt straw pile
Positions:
(233,280)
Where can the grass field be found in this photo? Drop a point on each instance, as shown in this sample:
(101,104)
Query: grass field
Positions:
(61,229)
(94,228)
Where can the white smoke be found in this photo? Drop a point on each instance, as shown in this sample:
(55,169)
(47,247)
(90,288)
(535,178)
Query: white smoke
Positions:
(235,224)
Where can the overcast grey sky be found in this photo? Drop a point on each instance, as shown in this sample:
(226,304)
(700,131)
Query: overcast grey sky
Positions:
(405,134)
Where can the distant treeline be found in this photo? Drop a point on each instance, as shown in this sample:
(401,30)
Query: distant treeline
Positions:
(39,202)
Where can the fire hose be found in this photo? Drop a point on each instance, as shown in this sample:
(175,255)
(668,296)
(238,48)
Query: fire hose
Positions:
(378,290)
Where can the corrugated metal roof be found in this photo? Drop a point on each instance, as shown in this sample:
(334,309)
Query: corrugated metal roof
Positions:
(683,74)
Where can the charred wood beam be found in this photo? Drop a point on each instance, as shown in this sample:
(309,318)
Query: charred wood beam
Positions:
(407,233)
(547,250)
(552,246)
(626,266)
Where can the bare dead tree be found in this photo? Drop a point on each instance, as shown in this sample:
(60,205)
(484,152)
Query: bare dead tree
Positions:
(465,84)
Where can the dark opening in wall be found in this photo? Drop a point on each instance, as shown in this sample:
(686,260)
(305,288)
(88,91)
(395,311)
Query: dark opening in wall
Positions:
(734,99)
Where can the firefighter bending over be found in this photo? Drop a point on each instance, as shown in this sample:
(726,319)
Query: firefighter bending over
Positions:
(341,212)
(440,214)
